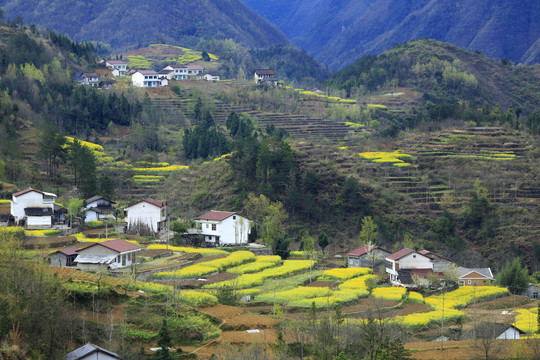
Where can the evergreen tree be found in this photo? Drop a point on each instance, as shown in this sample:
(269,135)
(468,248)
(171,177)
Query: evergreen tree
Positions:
(514,276)
(164,342)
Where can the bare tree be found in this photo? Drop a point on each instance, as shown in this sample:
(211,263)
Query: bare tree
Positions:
(487,344)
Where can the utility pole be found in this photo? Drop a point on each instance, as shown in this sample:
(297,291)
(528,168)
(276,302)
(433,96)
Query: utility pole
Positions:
(442,323)
(310,265)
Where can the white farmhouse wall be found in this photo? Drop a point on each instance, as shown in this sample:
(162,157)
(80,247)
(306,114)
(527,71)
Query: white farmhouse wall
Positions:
(234,230)
(31,199)
(415,261)
(90,216)
(137,79)
(144,213)
(510,334)
(39,221)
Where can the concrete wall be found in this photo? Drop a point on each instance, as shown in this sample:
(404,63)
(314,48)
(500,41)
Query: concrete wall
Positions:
(234,230)
(30,199)
(415,261)
(145,213)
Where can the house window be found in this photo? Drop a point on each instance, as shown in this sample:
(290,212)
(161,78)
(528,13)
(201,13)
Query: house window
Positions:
(414,256)
(214,227)
(234,217)
(469,282)
(207,226)
(535,295)
(461,282)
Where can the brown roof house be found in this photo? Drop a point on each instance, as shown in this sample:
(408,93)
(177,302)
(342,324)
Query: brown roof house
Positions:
(64,257)
(367,256)
(34,208)
(474,276)
(406,262)
(91,352)
(224,228)
(148,216)
(112,254)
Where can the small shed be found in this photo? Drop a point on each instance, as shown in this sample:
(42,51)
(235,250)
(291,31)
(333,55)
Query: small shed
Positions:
(64,257)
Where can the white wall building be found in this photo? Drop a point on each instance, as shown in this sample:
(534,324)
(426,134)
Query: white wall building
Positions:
(118,65)
(146,78)
(148,213)
(180,72)
(33,206)
(110,254)
(224,228)
(406,259)
(98,209)
(210,77)
(89,79)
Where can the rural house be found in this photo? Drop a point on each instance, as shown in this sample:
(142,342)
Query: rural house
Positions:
(88,79)
(146,215)
(34,208)
(98,208)
(406,262)
(63,257)
(440,263)
(117,67)
(224,228)
(532,291)
(92,352)
(146,78)
(366,256)
(262,74)
(194,71)
(110,254)
(180,72)
(474,276)
(211,77)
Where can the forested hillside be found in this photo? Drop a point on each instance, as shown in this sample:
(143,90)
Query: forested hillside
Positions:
(134,24)
(339,32)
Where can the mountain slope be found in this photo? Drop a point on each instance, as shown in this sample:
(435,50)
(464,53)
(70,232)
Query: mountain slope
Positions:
(340,31)
(124,25)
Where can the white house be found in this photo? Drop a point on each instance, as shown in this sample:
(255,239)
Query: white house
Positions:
(146,78)
(92,352)
(169,74)
(147,214)
(262,74)
(118,65)
(367,256)
(194,70)
(180,72)
(89,79)
(98,208)
(34,207)
(440,263)
(210,77)
(224,228)
(110,254)
(407,259)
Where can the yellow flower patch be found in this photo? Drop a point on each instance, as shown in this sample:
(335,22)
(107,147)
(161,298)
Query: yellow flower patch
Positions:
(393,158)
(389,293)
(344,274)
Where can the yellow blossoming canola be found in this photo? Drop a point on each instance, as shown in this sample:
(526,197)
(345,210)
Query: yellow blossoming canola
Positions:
(377,106)
(527,320)
(4,201)
(160,169)
(389,293)
(289,267)
(41,232)
(207,268)
(299,293)
(186,249)
(416,297)
(395,158)
(260,263)
(344,274)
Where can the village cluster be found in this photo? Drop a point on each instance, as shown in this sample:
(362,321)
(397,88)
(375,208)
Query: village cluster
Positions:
(35,209)
(104,76)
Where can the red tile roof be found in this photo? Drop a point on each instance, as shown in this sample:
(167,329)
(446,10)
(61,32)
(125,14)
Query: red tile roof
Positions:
(216,215)
(27,190)
(117,245)
(267,72)
(430,254)
(401,253)
(68,251)
(158,203)
(363,250)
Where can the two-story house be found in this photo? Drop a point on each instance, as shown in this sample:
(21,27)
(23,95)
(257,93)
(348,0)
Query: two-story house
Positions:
(195,71)
(404,263)
(224,228)
(110,254)
(440,263)
(180,72)
(98,208)
(367,256)
(89,79)
(146,78)
(148,214)
(32,207)
(262,74)
(117,67)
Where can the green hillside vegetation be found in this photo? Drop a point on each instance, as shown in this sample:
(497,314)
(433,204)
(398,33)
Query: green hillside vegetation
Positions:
(127,26)
(337,33)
